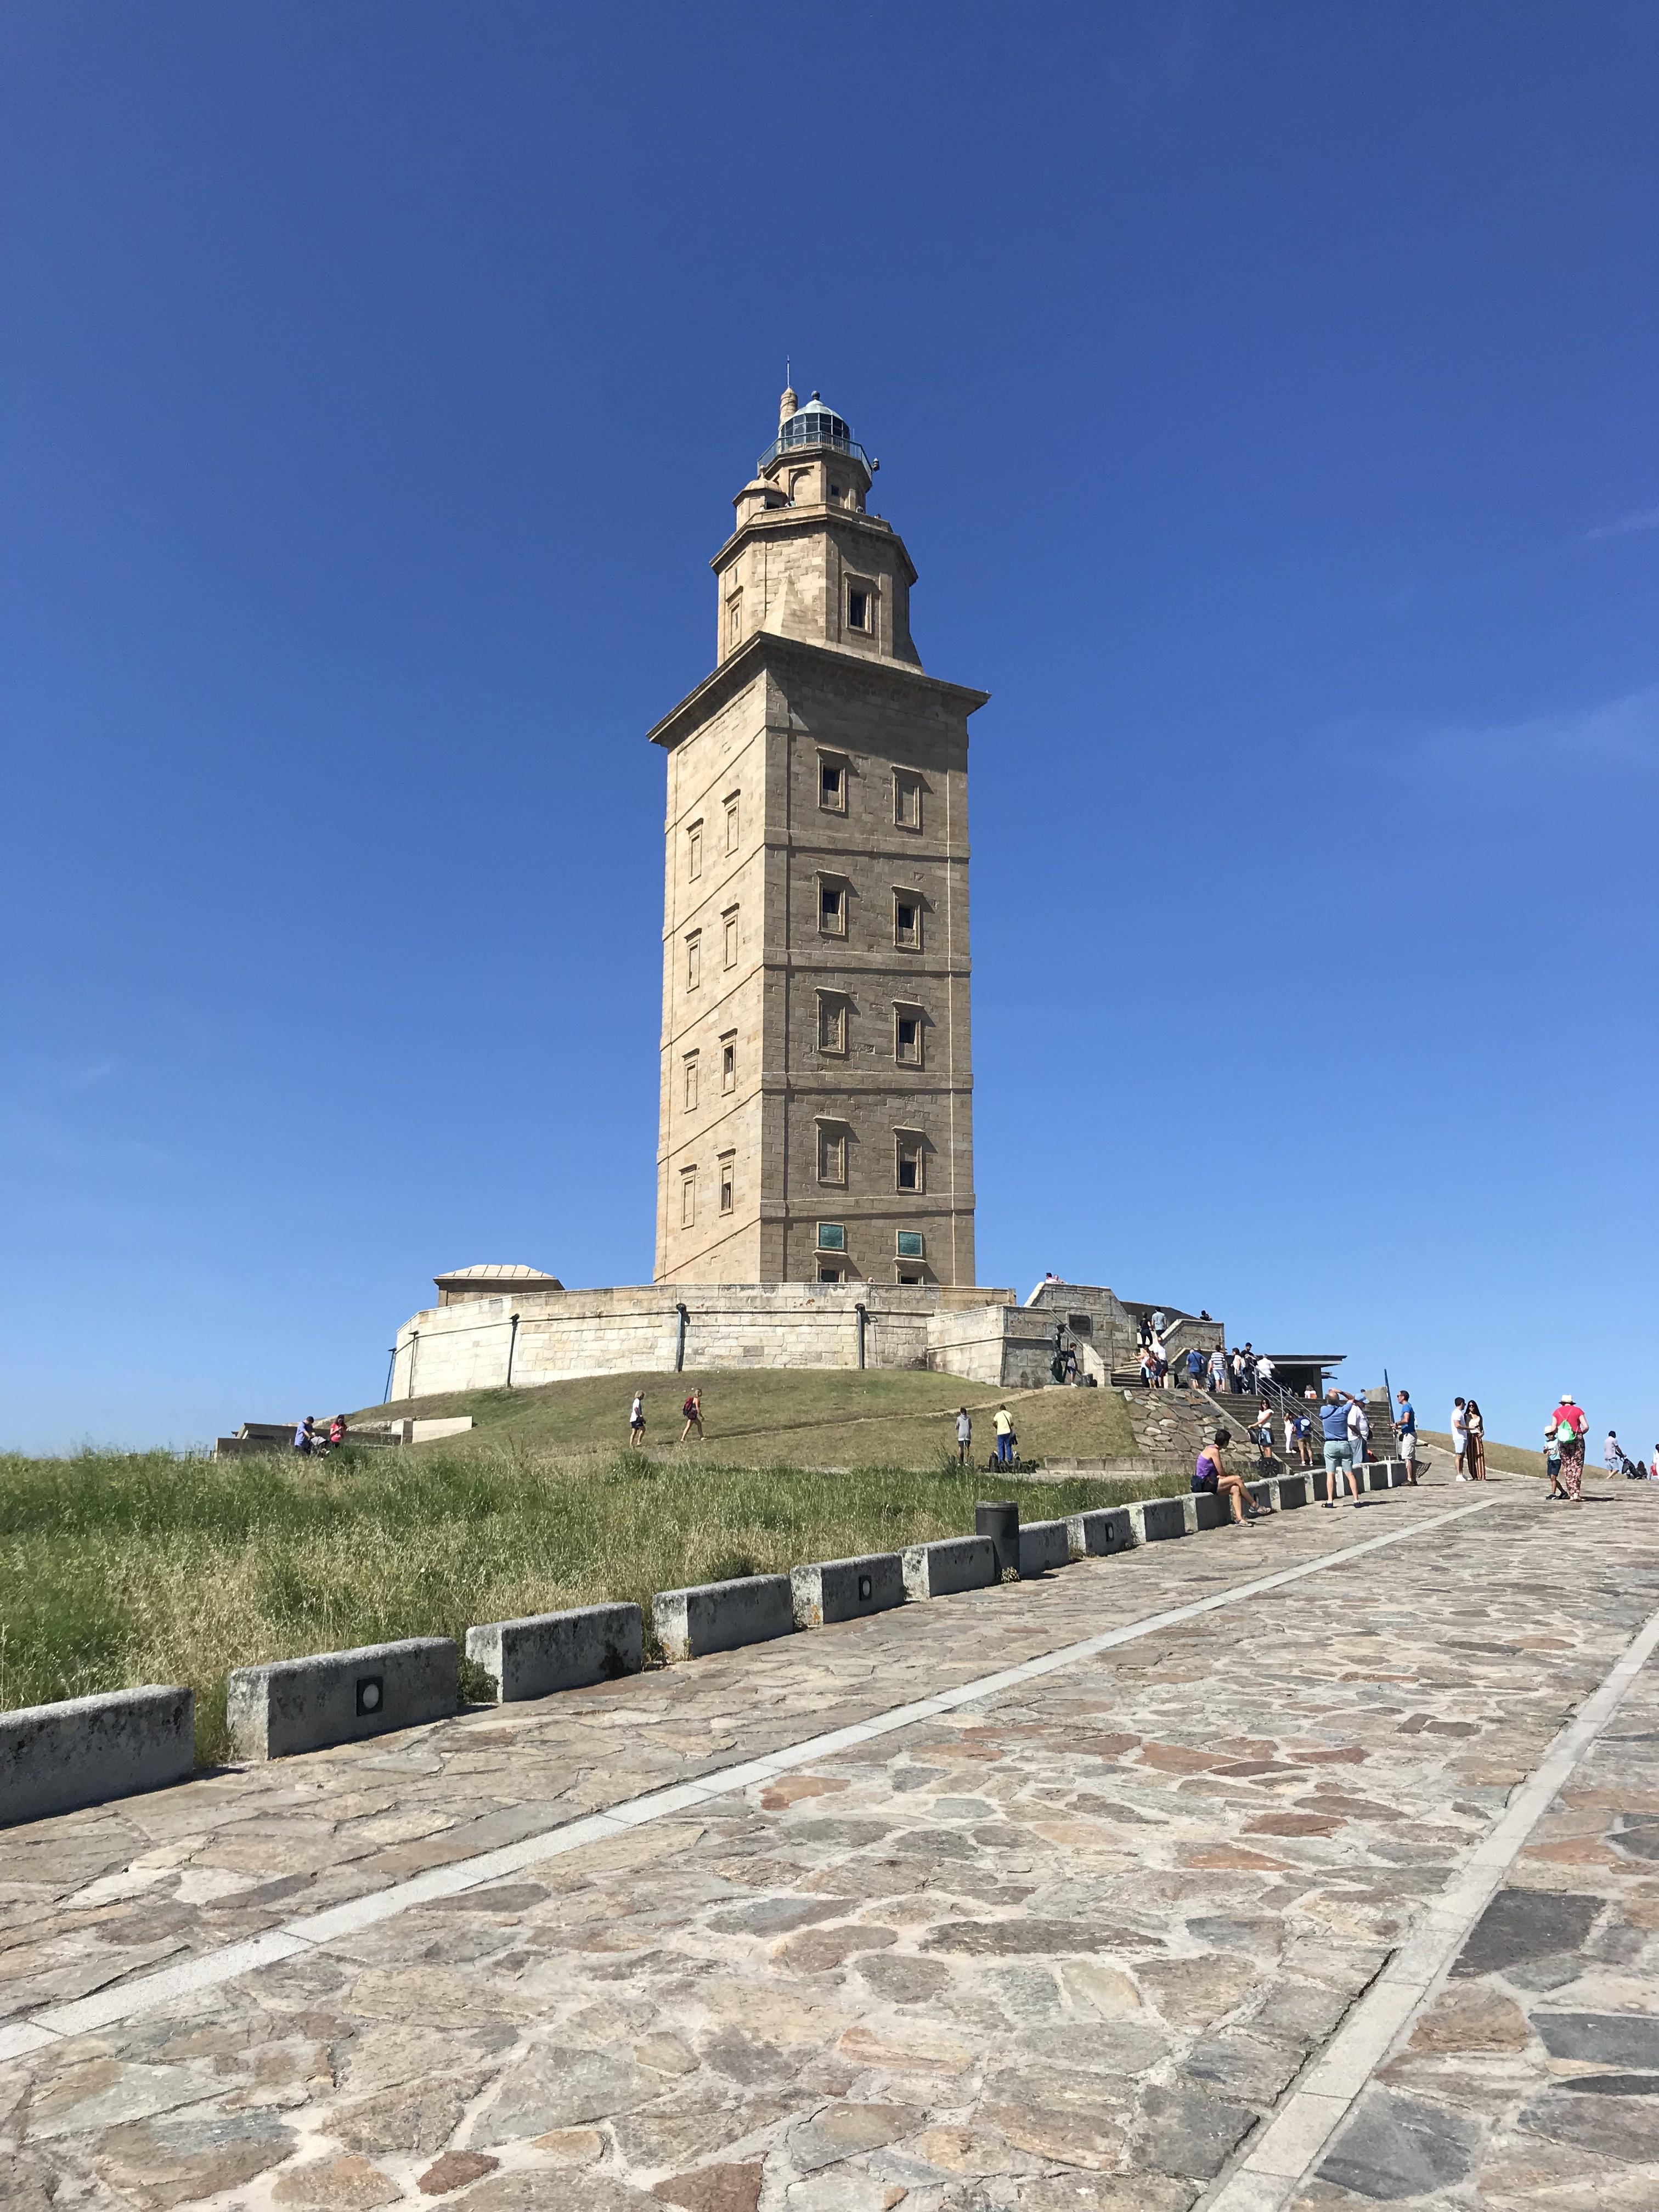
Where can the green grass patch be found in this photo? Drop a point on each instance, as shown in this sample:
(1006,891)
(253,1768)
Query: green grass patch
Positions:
(121,1568)
(802,1417)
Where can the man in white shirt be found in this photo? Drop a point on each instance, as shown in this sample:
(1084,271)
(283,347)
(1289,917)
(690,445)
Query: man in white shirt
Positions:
(1359,1432)
(1264,1370)
(1460,1436)
(964,1436)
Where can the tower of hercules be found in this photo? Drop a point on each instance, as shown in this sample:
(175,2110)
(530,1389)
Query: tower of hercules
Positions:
(817,1105)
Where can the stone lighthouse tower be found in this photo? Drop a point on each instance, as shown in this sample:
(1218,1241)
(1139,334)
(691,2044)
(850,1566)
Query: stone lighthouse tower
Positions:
(816,1104)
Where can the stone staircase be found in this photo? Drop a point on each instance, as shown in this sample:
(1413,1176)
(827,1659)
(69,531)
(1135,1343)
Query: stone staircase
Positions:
(1171,1426)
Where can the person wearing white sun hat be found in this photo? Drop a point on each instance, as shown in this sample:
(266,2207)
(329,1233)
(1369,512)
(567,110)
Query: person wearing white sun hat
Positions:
(1570,1422)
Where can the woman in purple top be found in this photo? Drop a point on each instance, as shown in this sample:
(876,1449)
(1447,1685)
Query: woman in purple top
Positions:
(1213,1477)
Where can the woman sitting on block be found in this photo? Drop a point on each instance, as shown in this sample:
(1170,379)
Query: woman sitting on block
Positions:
(1212,1474)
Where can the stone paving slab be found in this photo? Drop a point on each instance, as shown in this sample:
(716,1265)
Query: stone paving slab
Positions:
(1065,1946)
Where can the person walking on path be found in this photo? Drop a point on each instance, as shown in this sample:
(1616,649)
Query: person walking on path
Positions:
(964,1436)
(1653,1465)
(1613,1453)
(1460,1436)
(1217,1370)
(1005,1436)
(305,1436)
(337,1433)
(1213,1476)
(1264,1434)
(1194,1369)
(636,1418)
(1553,1461)
(1339,1452)
(1571,1423)
(1475,1428)
(692,1409)
(1405,1428)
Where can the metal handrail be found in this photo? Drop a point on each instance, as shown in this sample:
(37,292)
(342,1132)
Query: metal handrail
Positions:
(782,445)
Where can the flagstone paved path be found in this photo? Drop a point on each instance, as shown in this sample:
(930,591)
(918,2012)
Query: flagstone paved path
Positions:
(1065,1948)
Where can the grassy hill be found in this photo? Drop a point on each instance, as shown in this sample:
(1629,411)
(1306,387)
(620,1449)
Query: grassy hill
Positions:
(784,1417)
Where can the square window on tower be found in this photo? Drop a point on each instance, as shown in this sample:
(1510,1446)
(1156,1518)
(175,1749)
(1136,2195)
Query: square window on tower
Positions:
(911,1170)
(832,786)
(832,1022)
(729,1064)
(907,1039)
(906,800)
(732,823)
(729,921)
(906,921)
(832,908)
(858,609)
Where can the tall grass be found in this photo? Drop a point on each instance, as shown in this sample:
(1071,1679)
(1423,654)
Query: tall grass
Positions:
(122,1568)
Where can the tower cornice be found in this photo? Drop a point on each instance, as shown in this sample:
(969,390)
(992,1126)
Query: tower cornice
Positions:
(763,647)
(813,521)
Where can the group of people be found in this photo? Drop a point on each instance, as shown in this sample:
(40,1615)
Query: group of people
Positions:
(1007,1442)
(692,1411)
(1348,1430)
(1618,1461)
(1468,1436)
(1243,1371)
(310,1442)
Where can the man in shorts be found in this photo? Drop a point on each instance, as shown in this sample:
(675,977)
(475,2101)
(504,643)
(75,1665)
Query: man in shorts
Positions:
(1405,1428)
(1339,1452)
(1460,1436)
(964,1436)
(636,1418)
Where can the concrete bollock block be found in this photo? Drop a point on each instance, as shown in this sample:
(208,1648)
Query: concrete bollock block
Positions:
(951,1564)
(710,1617)
(545,1652)
(1044,1546)
(289,1705)
(84,1751)
(829,1590)
(1157,1520)
(1293,1490)
(1099,1533)
(1204,1510)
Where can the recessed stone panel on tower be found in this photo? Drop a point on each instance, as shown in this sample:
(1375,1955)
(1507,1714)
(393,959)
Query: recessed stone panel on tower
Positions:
(816,1111)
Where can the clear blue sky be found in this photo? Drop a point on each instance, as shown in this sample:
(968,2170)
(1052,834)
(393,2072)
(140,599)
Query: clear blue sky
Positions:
(1268,397)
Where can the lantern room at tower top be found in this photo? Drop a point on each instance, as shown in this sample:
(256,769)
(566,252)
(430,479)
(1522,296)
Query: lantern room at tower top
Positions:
(802,524)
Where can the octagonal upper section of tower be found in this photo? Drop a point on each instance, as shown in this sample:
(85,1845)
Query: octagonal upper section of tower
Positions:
(807,559)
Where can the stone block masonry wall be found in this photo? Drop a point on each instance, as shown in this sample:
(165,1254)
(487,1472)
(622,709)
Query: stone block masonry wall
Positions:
(560,1335)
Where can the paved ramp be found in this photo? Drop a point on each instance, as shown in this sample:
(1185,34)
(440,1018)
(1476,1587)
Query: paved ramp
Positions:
(1309,1863)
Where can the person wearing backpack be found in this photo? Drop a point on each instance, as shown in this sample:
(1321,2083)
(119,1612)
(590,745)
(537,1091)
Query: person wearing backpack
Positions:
(1571,1423)
(692,1409)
